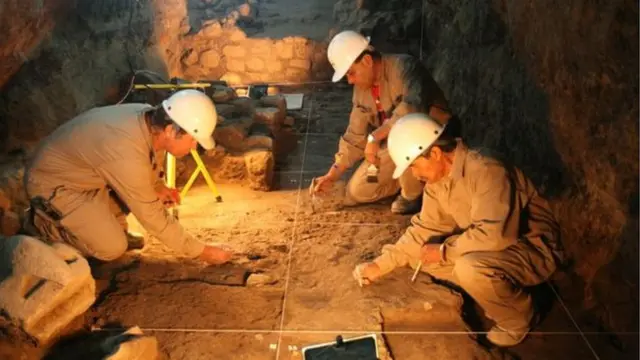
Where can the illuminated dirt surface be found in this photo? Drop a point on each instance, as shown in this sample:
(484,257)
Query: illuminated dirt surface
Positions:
(305,293)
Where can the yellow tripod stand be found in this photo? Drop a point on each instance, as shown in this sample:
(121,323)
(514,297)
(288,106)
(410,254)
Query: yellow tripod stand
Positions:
(200,169)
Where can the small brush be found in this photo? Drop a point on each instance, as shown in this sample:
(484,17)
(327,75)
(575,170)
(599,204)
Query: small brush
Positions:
(415,274)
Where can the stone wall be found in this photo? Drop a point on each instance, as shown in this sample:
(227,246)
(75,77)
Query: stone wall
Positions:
(81,61)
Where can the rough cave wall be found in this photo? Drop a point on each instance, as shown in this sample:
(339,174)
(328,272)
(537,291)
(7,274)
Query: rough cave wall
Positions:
(554,87)
(78,59)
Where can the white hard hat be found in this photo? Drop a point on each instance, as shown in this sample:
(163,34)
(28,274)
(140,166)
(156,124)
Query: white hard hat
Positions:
(343,50)
(409,137)
(195,113)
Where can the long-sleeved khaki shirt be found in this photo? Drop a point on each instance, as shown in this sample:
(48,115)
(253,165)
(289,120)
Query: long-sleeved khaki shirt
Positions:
(480,206)
(111,147)
(405,87)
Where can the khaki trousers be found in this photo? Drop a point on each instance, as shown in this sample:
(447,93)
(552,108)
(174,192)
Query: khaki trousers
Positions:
(96,219)
(495,280)
(359,191)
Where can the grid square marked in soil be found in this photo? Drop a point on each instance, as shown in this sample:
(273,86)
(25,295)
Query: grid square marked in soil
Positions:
(322,295)
(240,206)
(189,295)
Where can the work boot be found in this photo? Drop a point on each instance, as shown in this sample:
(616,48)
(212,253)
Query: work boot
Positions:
(501,337)
(404,206)
(134,241)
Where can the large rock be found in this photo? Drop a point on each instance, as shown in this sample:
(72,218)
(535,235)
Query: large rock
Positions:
(223,94)
(245,106)
(270,116)
(43,288)
(260,167)
(278,101)
(232,133)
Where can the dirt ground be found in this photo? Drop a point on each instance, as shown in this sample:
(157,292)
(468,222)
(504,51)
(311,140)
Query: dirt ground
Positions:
(304,293)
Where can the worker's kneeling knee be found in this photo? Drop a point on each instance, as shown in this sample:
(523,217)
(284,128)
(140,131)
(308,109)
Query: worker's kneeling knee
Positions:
(357,192)
(104,253)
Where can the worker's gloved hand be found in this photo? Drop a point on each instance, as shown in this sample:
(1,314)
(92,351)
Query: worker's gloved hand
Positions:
(323,185)
(371,153)
(215,255)
(169,197)
(366,273)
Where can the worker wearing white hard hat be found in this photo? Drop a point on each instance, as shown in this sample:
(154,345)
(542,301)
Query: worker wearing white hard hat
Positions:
(91,171)
(482,226)
(385,88)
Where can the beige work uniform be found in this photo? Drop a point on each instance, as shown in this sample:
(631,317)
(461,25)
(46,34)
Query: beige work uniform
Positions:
(100,157)
(499,236)
(405,87)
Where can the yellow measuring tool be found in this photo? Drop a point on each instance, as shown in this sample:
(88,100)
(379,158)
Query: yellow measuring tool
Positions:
(200,169)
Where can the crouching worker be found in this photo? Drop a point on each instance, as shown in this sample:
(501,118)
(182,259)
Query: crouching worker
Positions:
(386,87)
(483,227)
(91,171)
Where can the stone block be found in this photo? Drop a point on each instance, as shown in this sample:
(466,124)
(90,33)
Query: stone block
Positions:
(231,78)
(260,169)
(257,77)
(301,49)
(284,50)
(261,47)
(254,64)
(274,66)
(296,74)
(236,65)
(300,64)
(131,345)
(254,142)
(210,59)
(244,105)
(223,95)
(234,51)
(237,35)
(226,110)
(231,136)
(278,101)
(192,58)
(270,116)
(43,288)
(212,30)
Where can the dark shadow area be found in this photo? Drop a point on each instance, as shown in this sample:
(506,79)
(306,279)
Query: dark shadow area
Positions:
(87,345)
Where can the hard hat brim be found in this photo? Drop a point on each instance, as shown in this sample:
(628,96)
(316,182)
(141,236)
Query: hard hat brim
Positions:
(207,143)
(339,75)
(400,170)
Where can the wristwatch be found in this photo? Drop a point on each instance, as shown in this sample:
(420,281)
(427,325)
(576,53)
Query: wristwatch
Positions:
(371,139)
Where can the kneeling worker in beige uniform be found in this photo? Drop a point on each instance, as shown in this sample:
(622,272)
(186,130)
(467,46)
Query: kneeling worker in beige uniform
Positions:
(386,87)
(483,227)
(92,170)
